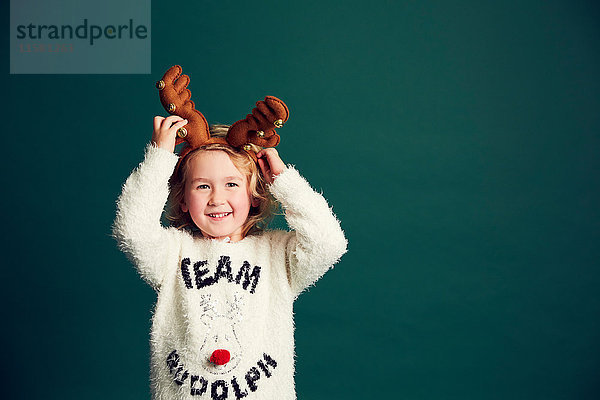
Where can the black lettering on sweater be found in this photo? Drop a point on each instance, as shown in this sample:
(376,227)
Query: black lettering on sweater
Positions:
(236,389)
(180,376)
(219,389)
(269,361)
(254,276)
(172,361)
(217,394)
(185,272)
(198,391)
(224,269)
(251,377)
(199,273)
(247,279)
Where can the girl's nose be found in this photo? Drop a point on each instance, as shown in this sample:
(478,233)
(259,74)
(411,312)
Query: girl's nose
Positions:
(220,357)
(217,199)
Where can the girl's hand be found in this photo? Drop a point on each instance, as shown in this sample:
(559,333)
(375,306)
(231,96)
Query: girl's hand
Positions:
(165,131)
(270,164)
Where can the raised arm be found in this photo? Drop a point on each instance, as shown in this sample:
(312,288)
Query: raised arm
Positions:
(318,241)
(137,226)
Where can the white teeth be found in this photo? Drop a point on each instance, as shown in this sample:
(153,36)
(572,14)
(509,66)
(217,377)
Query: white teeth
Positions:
(221,215)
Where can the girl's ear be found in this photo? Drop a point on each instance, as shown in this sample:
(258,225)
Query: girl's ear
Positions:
(184,206)
(255,202)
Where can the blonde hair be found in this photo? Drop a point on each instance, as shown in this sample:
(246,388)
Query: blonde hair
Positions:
(258,217)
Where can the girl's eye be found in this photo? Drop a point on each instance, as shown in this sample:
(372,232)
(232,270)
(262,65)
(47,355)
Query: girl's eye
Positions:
(202,186)
(232,184)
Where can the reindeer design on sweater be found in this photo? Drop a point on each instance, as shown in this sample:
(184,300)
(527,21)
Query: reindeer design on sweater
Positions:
(221,347)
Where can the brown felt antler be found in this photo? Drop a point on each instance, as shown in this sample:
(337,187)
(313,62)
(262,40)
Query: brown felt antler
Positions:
(257,128)
(175,98)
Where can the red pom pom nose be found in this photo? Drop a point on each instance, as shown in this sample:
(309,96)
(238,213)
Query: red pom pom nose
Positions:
(220,357)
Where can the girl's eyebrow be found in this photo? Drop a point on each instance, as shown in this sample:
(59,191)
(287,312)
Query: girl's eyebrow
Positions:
(199,179)
(227,178)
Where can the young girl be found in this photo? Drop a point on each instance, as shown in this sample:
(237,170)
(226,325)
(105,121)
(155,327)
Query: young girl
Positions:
(223,323)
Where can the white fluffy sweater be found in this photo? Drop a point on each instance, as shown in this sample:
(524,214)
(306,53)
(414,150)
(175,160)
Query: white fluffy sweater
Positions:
(215,295)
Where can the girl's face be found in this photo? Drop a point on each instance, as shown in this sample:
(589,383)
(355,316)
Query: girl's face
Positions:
(216,195)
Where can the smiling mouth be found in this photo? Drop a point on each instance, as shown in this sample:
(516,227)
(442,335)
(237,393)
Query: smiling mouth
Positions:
(218,215)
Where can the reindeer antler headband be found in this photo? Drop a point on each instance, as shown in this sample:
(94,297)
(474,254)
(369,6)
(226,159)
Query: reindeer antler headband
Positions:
(257,128)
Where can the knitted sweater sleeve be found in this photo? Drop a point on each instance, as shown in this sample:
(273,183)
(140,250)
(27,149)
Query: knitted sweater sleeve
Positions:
(137,226)
(317,241)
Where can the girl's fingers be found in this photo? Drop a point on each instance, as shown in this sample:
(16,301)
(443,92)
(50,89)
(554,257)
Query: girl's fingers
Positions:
(275,163)
(263,165)
(178,124)
(173,126)
(268,152)
(270,163)
(157,121)
(167,122)
(265,170)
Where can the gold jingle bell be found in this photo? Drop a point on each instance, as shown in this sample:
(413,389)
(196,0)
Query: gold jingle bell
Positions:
(260,133)
(160,85)
(171,108)
(182,132)
(247,147)
(278,123)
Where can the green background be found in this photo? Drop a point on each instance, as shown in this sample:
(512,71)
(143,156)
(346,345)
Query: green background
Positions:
(457,142)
